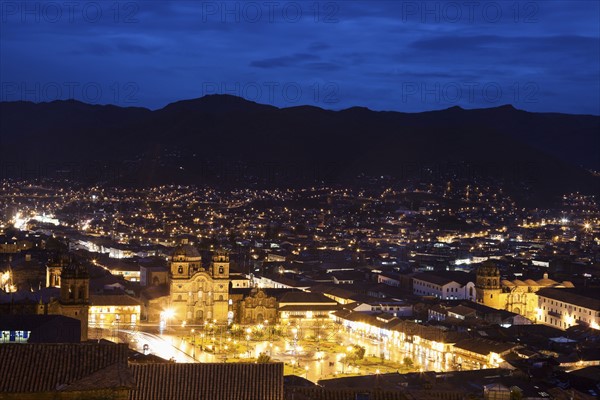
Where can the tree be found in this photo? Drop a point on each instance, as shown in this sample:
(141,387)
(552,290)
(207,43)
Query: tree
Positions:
(263,358)
(360,351)
(357,353)
(408,362)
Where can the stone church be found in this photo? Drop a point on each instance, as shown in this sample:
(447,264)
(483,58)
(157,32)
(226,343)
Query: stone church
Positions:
(517,296)
(199,293)
(257,308)
(74,299)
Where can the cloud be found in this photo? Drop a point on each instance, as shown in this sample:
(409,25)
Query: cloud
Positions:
(366,48)
(285,61)
(318,46)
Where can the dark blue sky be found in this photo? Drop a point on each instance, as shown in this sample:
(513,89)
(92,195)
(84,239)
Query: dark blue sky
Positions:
(390,55)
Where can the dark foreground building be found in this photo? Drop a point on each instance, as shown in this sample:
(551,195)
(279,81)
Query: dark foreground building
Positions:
(39,329)
(101,371)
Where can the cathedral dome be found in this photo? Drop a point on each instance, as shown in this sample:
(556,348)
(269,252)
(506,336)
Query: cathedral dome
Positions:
(547,282)
(185,250)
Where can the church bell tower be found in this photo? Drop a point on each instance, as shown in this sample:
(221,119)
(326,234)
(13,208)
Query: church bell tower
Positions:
(487,285)
(74,298)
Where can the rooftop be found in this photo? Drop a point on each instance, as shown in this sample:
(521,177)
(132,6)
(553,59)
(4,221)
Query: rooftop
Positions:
(579,297)
(208,381)
(63,367)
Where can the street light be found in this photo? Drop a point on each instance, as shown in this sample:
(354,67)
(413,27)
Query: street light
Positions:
(193,332)
(248,344)
(165,316)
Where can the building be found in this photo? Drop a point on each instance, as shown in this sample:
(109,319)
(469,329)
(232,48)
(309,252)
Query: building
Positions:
(480,353)
(65,371)
(306,309)
(198,294)
(33,328)
(74,299)
(53,270)
(153,275)
(101,371)
(107,311)
(239,281)
(517,296)
(564,308)
(257,308)
(223,381)
(447,285)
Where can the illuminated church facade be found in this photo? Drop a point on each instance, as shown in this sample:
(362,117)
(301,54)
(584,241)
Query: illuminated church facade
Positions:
(517,296)
(198,293)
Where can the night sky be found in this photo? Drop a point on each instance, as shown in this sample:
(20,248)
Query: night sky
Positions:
(394,55)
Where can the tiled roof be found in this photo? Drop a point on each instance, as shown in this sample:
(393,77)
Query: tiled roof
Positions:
(589,299)
(310,307)
(333,290)
(462,310)
(305,298)
(27,368)
(208,381)
(442,278)
(484,346)
(114,300)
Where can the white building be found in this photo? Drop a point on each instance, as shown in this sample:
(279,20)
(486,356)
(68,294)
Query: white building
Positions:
(447,285)
(563,308)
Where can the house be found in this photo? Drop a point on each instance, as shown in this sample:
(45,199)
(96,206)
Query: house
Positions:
(39,329)
(101,371)
(564,308)
(447,285)
(65,371)
(205,381)
(305,307)
(481,353)
(107,310)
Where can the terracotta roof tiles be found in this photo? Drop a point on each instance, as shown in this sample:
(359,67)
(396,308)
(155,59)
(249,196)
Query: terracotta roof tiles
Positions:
(27,368)
(208,381)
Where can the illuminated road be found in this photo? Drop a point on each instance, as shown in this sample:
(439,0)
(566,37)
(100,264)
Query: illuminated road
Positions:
(160,346)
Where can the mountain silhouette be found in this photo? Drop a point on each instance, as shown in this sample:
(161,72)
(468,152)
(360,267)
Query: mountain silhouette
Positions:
(207,139)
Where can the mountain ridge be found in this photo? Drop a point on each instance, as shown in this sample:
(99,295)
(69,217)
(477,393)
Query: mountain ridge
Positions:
(225,128)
